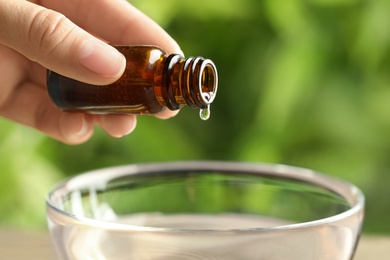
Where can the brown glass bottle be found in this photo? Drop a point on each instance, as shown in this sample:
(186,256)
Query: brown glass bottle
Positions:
(152,81)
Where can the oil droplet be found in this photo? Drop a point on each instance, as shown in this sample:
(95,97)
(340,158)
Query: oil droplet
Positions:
(205,113)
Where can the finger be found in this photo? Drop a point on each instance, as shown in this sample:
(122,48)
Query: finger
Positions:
(116,21)
(12,69)
(167,114)
(117,125)
(49,38)
(39,113)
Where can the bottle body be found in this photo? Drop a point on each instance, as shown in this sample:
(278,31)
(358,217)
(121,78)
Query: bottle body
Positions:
(152,81)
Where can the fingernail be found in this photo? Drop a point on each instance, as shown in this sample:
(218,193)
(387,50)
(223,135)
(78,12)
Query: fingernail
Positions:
(74,127)
(118,125)
(102,58)
(83,129)
(181,53)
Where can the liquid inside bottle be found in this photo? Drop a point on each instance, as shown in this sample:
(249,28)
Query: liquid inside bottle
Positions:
(151,82)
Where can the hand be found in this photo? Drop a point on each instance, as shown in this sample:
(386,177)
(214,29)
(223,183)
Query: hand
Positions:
(68,37)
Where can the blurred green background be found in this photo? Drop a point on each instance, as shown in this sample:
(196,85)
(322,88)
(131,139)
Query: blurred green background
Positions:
(301,82)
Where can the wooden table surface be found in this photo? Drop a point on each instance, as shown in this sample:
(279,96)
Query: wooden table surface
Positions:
(17,245)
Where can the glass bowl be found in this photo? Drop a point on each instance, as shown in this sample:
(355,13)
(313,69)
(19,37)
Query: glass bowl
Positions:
(205,210)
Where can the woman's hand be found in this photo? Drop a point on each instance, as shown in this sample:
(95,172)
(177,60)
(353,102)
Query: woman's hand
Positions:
(68,37)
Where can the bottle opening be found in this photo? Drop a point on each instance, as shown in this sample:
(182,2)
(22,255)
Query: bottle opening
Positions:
(192,81)
(208,81)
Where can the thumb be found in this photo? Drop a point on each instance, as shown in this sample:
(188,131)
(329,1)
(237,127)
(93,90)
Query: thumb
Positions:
(52,40)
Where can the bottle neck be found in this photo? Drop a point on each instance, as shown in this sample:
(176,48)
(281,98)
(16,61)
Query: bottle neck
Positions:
(192,81)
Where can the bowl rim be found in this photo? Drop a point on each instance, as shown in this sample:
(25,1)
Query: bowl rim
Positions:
(346,190)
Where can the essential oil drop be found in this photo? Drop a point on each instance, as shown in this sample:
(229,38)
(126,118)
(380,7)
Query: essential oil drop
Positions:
(204,114)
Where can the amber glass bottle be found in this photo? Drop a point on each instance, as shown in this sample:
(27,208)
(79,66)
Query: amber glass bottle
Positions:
(152,81)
